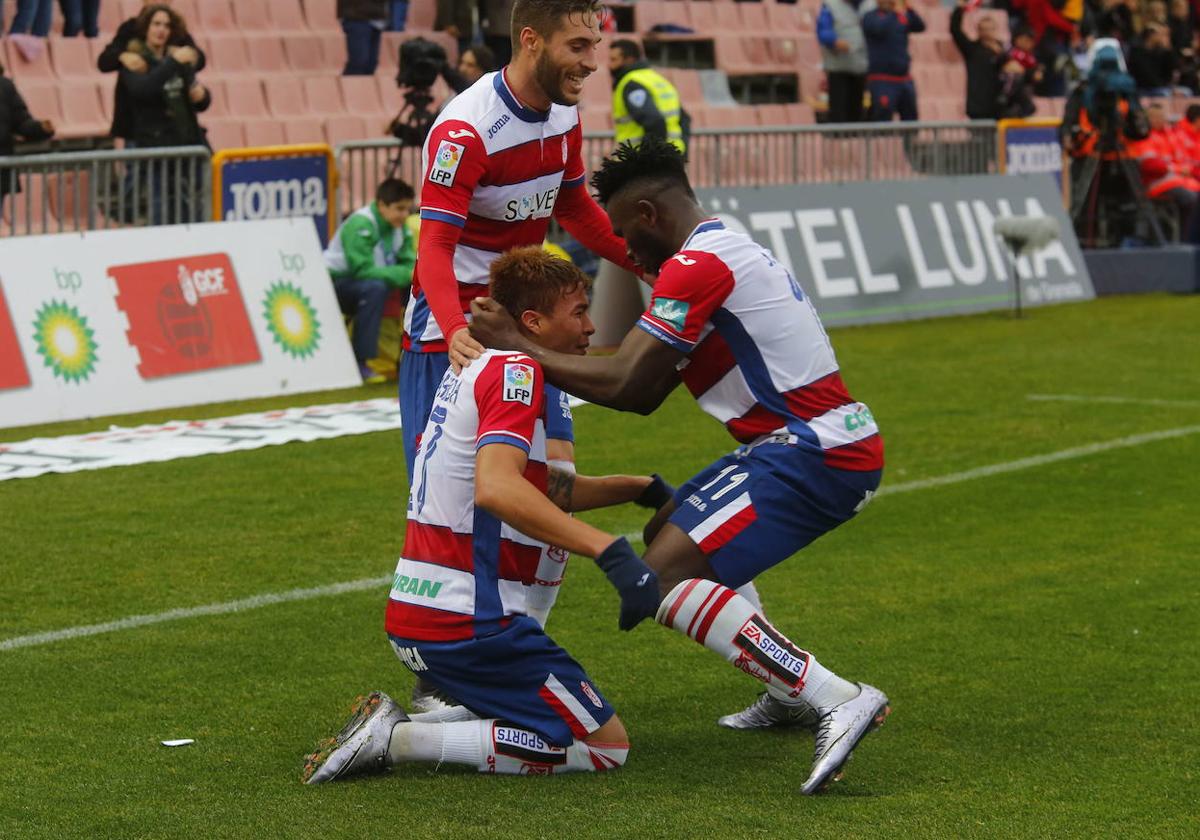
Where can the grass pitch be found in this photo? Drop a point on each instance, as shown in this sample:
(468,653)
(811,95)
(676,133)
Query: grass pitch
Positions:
(1035,629)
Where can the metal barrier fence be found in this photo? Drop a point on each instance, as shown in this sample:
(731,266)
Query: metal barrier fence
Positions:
(744,157)
(105,189)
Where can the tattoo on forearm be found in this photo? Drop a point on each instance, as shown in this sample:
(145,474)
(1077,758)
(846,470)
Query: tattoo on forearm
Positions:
(560,487)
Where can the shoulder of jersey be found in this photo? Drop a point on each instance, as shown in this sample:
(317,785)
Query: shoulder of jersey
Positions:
(691,260)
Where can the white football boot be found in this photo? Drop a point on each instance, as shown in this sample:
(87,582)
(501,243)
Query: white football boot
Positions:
(361,748)
(839,730)
(766,712)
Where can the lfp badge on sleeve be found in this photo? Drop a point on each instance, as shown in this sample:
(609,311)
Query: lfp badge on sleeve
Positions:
(275,182)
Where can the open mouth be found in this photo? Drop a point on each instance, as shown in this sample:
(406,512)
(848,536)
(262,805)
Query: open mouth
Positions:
(574,83)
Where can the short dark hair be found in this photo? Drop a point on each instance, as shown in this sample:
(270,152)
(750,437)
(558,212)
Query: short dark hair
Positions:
(652,160)
(1192,113)
(178,26)
(391,190)
(484,57)
(545,16)
(1024,31)
(530,278)
(629,49)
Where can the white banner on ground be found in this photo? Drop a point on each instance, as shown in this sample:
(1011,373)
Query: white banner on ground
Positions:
(112,322)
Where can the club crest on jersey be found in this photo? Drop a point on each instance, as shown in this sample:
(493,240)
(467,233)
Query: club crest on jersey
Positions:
(673,312)
(773,653)
(591,694)
(526,746)
(445,163)
(564,149)
(518,383)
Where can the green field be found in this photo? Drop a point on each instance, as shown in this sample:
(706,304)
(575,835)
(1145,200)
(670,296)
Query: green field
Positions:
(1035,627)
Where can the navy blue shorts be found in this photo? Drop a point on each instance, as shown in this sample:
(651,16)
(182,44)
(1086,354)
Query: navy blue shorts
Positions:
(518,675)
(759,505)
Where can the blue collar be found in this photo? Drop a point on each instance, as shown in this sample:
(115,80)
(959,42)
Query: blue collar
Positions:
(703,227)
(529,115)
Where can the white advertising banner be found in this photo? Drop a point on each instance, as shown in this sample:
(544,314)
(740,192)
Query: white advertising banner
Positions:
(112,322)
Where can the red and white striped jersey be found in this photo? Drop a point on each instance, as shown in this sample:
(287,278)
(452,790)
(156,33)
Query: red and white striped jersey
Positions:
(462,571)
(758,358)
(492,167)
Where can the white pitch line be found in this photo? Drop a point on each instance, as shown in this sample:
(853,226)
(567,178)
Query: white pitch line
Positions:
(1083,398)
(370,583)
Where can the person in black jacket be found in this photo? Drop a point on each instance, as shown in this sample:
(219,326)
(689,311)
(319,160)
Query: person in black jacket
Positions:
(16,121)
(982,57)
(363,22)
(117,55)
(163,102)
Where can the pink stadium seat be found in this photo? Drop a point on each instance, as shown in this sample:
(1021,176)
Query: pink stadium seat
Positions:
(304,53)
(128,8)
(346,129)
(246,99)
(253,17)
(924,50)
(687,84)
(649,13)
(324,95)
(19,68)
(83,115)
(71,58)
(266,54)
(219,106)
(322,15)
(108,19)
(333,50)
(285,98)
(225,133)
(728,17)
(732,54)
(226,53)
(421,16)
(264,132)
(304,130)
(42,98)
(799,113)
(287,16)
(190,12)
(704,18)
(359,95)
(754,17)
(214,15)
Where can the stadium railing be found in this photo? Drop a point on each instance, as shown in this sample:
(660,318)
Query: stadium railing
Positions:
(99,190)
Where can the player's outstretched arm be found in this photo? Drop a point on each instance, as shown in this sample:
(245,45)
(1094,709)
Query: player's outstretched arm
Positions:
(574,493)
(638,377)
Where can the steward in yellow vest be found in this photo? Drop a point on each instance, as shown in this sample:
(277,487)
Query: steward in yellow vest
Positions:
(645,104)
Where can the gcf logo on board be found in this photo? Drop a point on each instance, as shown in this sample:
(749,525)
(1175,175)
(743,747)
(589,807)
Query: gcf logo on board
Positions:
(518,383)
(13,372)
(185,315)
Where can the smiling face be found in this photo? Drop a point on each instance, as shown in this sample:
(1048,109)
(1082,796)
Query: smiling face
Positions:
(638,221)
(567,57)
(566,328)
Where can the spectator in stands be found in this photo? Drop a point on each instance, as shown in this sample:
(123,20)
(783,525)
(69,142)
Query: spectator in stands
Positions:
(1014,94)
(32,17)
(1165,176)
(1053,35)
(473,64)
(981,57)
(363,22)
(496,19)
(645,104)
(1188,135)
(886,30)
(844,57)
(16,121)
(371,254)
(1115,21)
(118,55)
(457,20)
(1152,63)
(164,99)
(1183,41)
(80,16)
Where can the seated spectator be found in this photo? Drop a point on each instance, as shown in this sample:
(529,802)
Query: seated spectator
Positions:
(1152,63)
(980,56)
(164,99)
(1165,176)
(1187,132)
(16,122)
(844,58)
(886,30)
(473,64)
(117,55)
(371,254)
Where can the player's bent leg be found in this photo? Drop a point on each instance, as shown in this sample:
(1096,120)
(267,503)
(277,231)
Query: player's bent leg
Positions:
(650,532)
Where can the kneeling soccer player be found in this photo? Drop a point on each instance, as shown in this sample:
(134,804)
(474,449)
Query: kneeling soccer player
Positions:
(728,320)
(482,506)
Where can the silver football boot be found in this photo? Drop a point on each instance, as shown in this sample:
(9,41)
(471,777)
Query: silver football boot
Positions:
(767,712)
(361,748)
(839,730)
(426,697)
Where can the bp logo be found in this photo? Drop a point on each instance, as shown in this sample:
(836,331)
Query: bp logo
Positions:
(292,320)
(65,341)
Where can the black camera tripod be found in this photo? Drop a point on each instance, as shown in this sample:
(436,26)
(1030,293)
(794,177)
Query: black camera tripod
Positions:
(1085,191)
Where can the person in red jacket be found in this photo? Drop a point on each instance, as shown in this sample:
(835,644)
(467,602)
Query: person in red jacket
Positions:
(1165,176)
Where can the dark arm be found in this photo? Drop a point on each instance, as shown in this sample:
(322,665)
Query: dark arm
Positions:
(961,41)
(149,85)
(23,123)
(109,60)
(645,114)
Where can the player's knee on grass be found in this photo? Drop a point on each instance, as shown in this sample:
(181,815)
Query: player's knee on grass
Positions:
(612,732)
(675,558)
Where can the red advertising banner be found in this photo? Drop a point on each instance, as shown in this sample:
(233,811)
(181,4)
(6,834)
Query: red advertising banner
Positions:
(13,373)
(185,315)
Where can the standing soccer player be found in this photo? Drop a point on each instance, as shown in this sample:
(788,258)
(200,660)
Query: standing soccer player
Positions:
(735,327)
(478,517)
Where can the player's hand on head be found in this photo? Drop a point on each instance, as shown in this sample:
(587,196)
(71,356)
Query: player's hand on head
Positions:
(463,350)
(635,582)
(493,326)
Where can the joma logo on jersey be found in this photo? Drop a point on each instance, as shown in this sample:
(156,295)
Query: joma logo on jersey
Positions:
(411,657)
(781,659)
(536,206)
(420,587)
(445,163)
(497,125)
(518,383)
(673,312)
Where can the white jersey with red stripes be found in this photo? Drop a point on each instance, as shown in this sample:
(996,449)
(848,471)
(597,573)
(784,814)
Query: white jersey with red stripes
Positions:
(492,167)
(463,572)
(758,358)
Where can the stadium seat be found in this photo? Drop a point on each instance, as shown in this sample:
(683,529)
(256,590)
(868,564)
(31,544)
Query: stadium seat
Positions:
(323,94)
(215,16)
(266,54)
(225,133)
(754,17)
(687,84)
(728,17)
(246,99)
(303,53)
(360,95)
(42,98)
(287,16)
(333,51)
(71,58)
(18,67)
(252,17)
(732,54)
(285,98)
(304,130)
(322,15)
(83,115)
(108,19)
(264,132)
(346,129)
(704,18)
(226,53)
(649,13)
(219,107)
(421,17)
